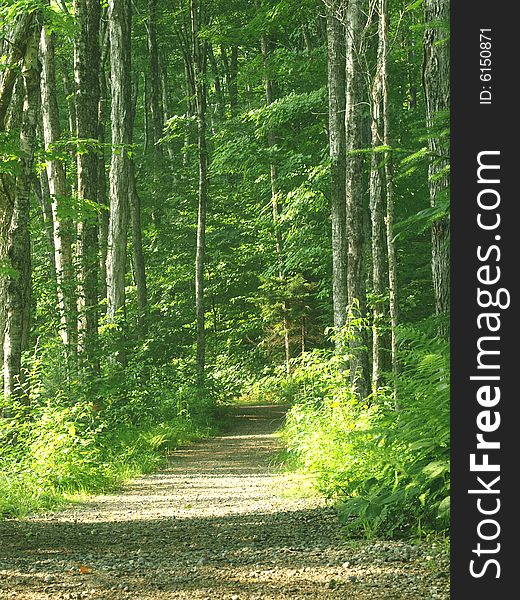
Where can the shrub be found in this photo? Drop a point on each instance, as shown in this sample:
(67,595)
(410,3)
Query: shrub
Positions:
(388,469)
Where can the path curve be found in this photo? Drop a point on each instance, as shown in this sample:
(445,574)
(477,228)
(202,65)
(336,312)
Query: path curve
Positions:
(212,526)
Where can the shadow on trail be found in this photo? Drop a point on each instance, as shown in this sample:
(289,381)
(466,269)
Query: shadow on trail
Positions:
(238,551)
(211,526)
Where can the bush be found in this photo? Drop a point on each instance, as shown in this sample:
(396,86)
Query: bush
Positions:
(70,443)
(388,469)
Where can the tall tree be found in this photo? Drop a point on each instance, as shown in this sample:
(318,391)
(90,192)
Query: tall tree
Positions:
(389,178)
(276,206)
(61,225)
(155,78)
(138,261)
(119,15)
(86,75)
(199,56)
(102,183)
(337,145)
(377,207)
(436,80)
(18,285)
(354,20)
(15,50)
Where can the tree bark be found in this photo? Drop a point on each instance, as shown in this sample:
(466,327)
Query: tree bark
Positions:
(119,14)
(41,189)
(389,219)
(199,67)
(58,192)
(18,288)
(138,261)
(17,49)
(337,145)
(102,187)
(86,74)
(377,211)
(436,79)
(354,123)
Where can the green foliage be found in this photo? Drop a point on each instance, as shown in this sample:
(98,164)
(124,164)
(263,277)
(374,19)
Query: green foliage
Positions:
(75,443)
(388,469)
(82,433)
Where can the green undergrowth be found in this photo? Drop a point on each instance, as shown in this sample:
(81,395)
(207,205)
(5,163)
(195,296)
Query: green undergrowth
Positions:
(386,469)
(62,448)
(58,466)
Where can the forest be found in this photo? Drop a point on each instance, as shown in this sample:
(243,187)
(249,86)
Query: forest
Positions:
(210,204)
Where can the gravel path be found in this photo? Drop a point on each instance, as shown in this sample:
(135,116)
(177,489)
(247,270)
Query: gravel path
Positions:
(214,525)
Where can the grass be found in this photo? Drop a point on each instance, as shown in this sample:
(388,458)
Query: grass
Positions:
(44,481)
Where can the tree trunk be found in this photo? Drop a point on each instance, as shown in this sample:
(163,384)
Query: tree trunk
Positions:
(166,109)
(15,50)
(377,213)
(392,261)
(18,288)
(86,73)
(216,79)
(276,208)
(58,192)
(40,186)
(354,123)
(337,144)
(138,261)
(120,60)
(199,65)
(436,79)
(155,81)
(102,187)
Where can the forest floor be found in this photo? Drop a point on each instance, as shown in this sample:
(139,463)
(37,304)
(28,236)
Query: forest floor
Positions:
(216,524)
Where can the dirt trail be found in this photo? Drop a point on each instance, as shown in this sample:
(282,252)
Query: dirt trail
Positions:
(213,526)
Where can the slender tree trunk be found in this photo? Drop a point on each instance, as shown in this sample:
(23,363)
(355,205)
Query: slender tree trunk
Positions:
(58,193)
(156,107)
(41,189)
(276,208)
(199,64)
(218,86)
(354,123)
(337,145)
(120,59)
(166,109)
(377,213)
(71,104)
(86,72)
(146,104)
(392,261)
(18,289)
(138,261)
(436,79)
(102,187)
(155,80)
(190,109)
(15,50)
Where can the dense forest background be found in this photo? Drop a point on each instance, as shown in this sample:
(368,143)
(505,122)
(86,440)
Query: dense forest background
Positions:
(204,202)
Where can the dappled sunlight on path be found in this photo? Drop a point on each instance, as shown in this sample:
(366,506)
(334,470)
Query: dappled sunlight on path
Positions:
(212,526)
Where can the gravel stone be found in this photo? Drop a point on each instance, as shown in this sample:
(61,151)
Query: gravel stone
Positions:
(217,524)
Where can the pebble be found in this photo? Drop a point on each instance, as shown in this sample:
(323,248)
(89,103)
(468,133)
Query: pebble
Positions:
(236,531)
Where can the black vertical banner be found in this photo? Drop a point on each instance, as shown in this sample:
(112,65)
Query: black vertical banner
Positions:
(485,196)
